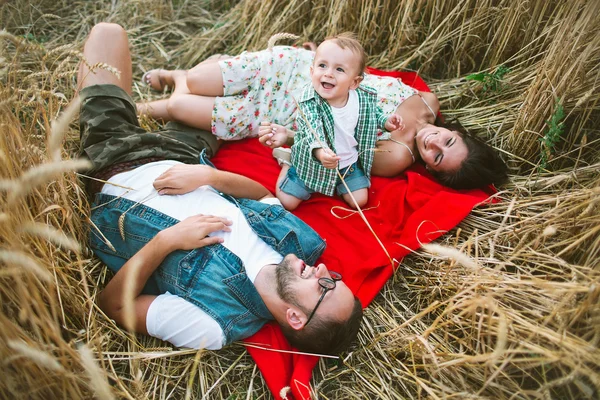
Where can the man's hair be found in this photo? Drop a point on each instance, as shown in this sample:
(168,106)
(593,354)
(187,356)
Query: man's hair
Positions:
(347,40)
(323,336)
(482,165)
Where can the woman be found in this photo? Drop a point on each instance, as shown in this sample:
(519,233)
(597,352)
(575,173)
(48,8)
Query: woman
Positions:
(231,96)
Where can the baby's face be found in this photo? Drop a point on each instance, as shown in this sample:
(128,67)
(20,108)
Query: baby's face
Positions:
(334,72)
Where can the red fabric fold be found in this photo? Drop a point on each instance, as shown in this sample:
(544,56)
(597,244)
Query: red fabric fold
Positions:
(404,212)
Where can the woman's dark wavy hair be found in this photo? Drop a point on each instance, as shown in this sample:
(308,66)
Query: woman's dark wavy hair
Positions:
(482,166)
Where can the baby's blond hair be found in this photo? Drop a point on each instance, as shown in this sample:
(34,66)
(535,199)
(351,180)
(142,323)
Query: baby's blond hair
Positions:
(348,40)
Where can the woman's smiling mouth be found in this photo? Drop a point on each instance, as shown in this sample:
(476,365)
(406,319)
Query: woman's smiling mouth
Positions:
(426,140)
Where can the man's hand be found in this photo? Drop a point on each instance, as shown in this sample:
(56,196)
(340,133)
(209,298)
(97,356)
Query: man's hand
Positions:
(327,157)
(272,135)
(192,232)
(181,179)
(394,122)
(125,288)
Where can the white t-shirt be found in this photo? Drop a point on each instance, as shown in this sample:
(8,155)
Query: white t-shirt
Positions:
(345,120)
(170,317)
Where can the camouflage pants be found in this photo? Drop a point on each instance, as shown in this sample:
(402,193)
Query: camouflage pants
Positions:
(111,134)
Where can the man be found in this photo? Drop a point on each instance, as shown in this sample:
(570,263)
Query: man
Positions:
(206,256)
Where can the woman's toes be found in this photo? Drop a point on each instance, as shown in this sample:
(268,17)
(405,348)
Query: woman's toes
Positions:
(154,79)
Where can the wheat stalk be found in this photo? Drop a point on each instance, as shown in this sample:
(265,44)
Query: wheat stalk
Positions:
(99,385)
(39,357)
(12,257)
(60,127)
(51,234)
(44,173)
(279,36)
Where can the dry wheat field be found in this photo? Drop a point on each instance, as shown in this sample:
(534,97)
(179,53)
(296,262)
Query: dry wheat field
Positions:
(508,308)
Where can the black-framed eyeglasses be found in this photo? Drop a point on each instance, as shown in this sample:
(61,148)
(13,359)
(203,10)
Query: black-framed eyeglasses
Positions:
(327,284)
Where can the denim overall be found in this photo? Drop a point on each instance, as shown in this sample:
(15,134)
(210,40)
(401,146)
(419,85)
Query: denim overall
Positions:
(211,277)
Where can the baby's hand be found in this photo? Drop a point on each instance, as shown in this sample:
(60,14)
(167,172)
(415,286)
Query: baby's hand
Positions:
(272,135)
(394,122)
(327,158)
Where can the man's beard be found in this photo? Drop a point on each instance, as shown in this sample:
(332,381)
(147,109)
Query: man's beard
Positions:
(285,284)
(285,281)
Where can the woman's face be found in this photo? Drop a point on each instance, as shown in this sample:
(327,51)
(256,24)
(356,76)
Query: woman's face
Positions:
(441,149)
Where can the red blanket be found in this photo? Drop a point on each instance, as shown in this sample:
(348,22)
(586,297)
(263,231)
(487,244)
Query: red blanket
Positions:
(406,211)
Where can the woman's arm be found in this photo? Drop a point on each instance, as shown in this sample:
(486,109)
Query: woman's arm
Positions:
(126,286)
(184,178)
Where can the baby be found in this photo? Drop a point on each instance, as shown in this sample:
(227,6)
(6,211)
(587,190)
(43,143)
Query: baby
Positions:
(337,121)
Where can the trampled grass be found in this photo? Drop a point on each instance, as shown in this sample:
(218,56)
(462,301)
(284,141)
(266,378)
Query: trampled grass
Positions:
(506,308)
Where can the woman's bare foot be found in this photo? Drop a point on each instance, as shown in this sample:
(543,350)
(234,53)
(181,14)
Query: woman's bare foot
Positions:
(154,79)
(159,79)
